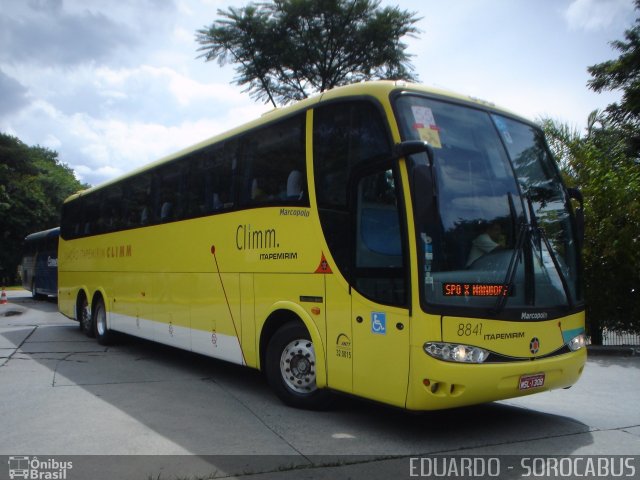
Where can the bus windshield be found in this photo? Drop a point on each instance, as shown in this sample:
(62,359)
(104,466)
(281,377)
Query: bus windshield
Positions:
(493,223)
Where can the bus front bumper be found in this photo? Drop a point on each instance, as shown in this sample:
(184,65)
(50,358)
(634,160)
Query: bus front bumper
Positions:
(436,384)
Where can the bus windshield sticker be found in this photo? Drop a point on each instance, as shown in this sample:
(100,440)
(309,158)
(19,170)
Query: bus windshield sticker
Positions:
(431,135)
(423,115)
(425,125)
(428,258)
(503,129)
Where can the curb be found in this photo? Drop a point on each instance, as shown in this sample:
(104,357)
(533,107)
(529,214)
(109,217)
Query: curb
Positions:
(612,351)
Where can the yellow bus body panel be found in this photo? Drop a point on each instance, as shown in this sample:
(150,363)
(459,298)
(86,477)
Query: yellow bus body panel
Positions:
(457,384)
(211,284)
(205,283)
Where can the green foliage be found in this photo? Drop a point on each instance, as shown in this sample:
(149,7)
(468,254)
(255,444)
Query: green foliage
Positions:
(33,185)
(600,164)
(605,164)
(623,74)
(288,49)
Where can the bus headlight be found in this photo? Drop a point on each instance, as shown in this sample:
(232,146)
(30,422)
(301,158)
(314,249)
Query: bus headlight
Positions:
(452,352)
(578,342)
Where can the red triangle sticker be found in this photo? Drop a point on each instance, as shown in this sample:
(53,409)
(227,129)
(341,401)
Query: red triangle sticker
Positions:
(324,266)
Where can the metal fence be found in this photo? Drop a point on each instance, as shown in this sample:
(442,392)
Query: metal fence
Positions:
(614,337)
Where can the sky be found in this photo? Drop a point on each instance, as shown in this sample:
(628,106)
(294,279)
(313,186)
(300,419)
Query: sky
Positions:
(114,85)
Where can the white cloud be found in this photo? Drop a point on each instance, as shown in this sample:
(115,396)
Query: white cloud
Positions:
(52,142)
(593,15)
(181,34)
(143,94)
(102,148)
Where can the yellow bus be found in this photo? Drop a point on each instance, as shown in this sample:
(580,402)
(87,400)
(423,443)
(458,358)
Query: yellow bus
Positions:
(385,240)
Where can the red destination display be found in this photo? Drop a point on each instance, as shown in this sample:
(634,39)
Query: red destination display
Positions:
(474,290)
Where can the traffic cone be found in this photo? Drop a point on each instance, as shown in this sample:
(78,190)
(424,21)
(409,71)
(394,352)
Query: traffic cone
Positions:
(3,297)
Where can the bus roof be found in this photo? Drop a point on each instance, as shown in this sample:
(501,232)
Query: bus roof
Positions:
(52,232)
(379,88)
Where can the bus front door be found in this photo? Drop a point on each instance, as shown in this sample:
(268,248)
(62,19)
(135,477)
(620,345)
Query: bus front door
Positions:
(380,351)
(380,319)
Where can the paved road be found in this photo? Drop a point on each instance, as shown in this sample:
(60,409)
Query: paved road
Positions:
(63,394)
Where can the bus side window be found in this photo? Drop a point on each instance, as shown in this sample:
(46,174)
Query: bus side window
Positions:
(227,174)
(170,191)
(273,167)
(91,214)
(136,201)
(379,254)
(346,135)
(71,226)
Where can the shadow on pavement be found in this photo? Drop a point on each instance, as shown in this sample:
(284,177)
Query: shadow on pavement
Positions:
(203,407)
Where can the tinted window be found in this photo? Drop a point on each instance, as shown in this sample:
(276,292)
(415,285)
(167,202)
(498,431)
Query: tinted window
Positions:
(379,258)
(210,181)
(111,209)
(273,164)
(345,135)
(170,192)
(262,167)
(359,211)
(138,201)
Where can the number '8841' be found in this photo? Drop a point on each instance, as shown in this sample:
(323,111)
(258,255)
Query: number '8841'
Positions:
(469,329)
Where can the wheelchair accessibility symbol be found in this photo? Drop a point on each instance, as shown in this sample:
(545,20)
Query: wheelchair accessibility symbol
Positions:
(379,323)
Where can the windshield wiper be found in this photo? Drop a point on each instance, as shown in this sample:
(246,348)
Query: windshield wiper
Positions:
(556,264)
(524,232)
(542,235)
(519,237)
(527,228)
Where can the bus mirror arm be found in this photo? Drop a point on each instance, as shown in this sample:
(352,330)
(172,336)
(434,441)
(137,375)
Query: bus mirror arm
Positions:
(576,194)
(410,147)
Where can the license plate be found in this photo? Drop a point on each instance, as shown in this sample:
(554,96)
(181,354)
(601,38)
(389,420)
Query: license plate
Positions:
(531,381)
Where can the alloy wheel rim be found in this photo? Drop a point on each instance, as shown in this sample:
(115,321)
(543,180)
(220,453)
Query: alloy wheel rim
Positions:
(298,366)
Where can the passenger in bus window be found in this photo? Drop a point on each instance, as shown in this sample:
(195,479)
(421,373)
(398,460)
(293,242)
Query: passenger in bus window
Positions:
(165,211)
(257,192)
(294,185)
(217,203)
(144,216)
(486,242)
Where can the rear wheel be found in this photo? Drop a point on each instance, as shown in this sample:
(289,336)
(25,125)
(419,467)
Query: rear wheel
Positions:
(102,333)
(34,294)
(291,368)
(84,316)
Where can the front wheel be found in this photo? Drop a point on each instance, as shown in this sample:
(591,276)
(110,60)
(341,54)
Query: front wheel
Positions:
(291,368)
(102,333)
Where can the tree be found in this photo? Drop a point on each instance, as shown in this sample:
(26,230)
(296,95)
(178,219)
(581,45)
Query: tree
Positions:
(33,185)
(289,49)
(623,74)
(599,163)
(605,164)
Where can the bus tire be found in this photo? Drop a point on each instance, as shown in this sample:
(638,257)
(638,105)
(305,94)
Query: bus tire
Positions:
(35,295)
(291,369)
(103,335)
(84,316)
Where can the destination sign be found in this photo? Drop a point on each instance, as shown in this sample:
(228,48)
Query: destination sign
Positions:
(475,290)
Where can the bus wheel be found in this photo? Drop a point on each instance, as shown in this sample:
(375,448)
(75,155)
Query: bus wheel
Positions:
(103,335)
(291,368)
(34,294)
(84,316)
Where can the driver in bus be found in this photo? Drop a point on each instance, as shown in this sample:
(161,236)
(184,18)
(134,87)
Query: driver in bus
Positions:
(486,242)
